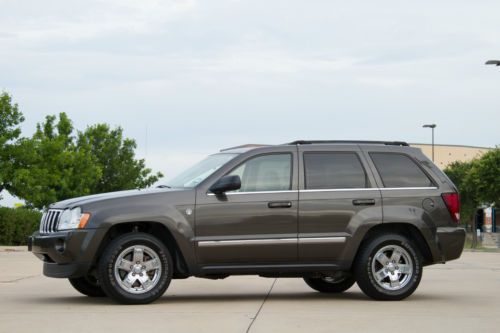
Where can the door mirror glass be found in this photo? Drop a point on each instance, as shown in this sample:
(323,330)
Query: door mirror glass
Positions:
(226,183)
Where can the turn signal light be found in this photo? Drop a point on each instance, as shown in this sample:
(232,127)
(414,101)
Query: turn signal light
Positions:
(83,220)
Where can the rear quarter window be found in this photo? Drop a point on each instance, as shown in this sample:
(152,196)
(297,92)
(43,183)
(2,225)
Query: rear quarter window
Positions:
(399,170)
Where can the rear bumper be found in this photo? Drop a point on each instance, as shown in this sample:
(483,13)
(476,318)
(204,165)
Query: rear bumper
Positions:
(66,254)
(451,242)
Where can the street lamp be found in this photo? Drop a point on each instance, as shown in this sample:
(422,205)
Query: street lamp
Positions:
(493,62)
(431,126)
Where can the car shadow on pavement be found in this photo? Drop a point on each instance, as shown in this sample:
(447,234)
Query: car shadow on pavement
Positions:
(291,297)
(224,298)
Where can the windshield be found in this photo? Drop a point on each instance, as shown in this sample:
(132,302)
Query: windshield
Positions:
(200,171)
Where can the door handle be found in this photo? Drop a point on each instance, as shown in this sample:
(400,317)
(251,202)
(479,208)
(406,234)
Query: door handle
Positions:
(279,204)
(363,202)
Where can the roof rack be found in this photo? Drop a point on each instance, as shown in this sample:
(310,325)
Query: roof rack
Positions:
(387,143)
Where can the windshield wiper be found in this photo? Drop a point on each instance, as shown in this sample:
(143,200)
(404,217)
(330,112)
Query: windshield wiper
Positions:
(163,186)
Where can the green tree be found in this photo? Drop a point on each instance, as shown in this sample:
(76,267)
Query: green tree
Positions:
(485,177)
(116,158)
(460,175)
(10,120)
(56,164)
(51,167)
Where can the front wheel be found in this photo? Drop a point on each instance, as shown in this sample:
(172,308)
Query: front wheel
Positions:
(135,268)
(388,267)
(331,284)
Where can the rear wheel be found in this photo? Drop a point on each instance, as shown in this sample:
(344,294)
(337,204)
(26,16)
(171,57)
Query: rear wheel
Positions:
(388,267)
(135,268)
(88,286)
(331,284)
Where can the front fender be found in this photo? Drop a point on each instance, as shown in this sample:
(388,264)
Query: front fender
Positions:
(173,212)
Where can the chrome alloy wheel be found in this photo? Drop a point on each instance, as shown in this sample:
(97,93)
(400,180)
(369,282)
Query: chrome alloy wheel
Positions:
(392,267)
(137,269)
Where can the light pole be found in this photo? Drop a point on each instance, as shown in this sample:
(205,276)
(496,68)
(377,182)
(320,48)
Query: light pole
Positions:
(431,126)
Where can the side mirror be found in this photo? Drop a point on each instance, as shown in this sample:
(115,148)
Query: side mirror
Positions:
(225,184)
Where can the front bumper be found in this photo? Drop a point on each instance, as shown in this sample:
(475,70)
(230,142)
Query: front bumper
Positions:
(66,254)
(451,242)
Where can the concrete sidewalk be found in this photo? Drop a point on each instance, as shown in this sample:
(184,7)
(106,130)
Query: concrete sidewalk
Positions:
(460,296)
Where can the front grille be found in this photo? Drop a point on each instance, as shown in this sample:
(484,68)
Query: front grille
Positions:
(50,220)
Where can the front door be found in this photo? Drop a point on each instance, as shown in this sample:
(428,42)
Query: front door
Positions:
(256,224)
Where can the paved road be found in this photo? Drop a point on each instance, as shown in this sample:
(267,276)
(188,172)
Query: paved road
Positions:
(461,296)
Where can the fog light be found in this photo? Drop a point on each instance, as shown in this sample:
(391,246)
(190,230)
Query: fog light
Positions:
(60,245)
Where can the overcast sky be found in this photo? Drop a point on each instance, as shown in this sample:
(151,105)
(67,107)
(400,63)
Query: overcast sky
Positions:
(187,78)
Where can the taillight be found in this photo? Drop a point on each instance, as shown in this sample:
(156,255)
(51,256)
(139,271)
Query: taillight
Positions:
(452,201)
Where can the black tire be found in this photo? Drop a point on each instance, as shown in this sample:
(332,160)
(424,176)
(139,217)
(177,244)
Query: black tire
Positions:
(87,286)
(116,289)
(331,285)
(367,264)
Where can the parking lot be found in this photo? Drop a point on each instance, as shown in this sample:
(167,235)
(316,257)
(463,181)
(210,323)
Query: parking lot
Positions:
(461,296)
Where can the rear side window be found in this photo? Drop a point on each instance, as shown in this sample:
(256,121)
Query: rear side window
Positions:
(333,170)
(398,170)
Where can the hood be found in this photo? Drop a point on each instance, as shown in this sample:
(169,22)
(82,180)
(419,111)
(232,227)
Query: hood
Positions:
(70,203)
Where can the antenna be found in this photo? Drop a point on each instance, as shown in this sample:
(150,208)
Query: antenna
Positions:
(146,143)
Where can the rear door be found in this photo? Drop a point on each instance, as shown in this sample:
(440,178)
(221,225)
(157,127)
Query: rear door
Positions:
(338,196)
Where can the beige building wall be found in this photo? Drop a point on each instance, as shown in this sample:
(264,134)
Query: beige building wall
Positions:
(447,154)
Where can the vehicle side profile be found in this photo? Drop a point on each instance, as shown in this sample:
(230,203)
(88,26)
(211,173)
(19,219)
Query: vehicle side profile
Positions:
(334,213)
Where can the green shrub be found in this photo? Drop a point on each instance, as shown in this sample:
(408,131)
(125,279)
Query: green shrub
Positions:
(16,224)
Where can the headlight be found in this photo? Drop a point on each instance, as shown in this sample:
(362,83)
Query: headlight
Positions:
(73,219)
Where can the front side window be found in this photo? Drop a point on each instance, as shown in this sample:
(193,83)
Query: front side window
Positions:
(398,170)
(333,170)
(265,173)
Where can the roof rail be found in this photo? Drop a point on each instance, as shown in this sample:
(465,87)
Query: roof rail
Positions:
(250,145)
(310,142)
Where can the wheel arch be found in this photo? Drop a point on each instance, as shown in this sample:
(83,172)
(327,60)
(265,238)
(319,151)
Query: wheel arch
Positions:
(156,229)
(408,230)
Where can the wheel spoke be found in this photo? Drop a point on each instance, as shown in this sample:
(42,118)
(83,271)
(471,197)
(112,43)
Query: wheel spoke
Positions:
(382,258)
(145,281)
(394,280)
(125,265)
(381,274)
(152,264)
(404,269)
(138,255)
(129,280)
(396,255)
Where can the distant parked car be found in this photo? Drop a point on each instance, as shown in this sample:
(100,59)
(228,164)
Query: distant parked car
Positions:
(331,212)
